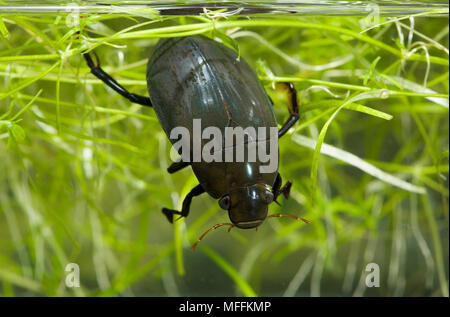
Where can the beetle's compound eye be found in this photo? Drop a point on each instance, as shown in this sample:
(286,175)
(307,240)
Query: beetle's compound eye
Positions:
(225,202)
(269,196)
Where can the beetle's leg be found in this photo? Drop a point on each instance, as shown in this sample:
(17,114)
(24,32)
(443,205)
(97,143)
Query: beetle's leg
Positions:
(293,108)
(278,190)
(111,82)
(197,190)
(176,166)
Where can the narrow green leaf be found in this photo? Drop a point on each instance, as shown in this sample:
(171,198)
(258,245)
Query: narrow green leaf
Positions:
(443,155)
(30,103)
(230,270)
(315,160)
(3,30)
(333,103)
(19,280)
(28,82)
(359,163)
(228,41)
(17,132)
(369,111)
(371,72)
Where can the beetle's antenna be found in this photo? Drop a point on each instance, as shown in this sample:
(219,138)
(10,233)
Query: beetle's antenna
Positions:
(212,228)
(287,215)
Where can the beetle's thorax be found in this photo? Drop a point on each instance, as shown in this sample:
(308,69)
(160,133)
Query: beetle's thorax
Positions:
(220,178)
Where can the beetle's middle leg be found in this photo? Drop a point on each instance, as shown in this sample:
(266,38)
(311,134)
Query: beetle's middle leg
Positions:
(293,108)
(111,82)
(197,190)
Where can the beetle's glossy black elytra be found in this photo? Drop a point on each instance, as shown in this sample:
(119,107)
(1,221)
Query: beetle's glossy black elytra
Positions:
(196,77)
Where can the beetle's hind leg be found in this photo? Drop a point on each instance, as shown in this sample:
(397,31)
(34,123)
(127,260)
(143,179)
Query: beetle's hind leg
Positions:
(111,82)
(197,190)
(293,108)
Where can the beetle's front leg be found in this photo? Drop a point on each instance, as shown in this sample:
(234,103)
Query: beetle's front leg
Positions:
(197,190)
(292,106)
(278,190)
(177,166)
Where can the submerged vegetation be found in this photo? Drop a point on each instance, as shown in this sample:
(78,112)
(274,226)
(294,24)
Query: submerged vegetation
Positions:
(83,171)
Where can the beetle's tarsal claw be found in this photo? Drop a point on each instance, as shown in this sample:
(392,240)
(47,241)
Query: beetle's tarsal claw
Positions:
(287,189)
(169,214)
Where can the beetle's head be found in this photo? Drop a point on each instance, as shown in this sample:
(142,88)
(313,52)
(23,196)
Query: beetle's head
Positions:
(247,206)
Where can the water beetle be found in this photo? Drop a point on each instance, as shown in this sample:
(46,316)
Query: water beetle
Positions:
(197,77)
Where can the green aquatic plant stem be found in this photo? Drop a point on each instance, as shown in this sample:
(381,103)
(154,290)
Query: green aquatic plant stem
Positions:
(91,108)
(295,79)
(197,28)
(246,289)
(28,82)
(37,57)
(178,244)
(438,252)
